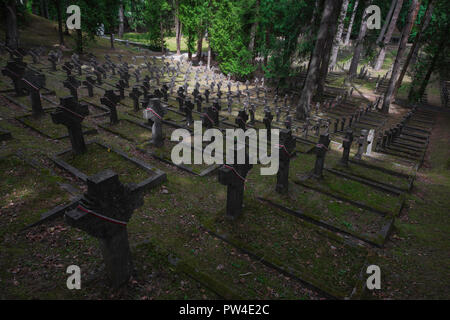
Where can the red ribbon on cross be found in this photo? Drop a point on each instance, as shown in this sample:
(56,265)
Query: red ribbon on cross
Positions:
(154,112)
(30,84)
(280,146)
(100,216)
(211,120)
(74,113)
(321,146)
(236,173)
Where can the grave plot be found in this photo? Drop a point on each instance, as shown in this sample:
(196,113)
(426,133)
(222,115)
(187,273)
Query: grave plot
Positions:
(99,157)
(26,193)
(292,246)
(234,275)
(164,153)
(45,126)
(387,180)
(357,193)
(5,135)
(331,213)
(129,130)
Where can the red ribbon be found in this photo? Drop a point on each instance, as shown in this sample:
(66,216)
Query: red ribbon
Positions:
(102,216)
(153,111)
(321,146)
(206,115)
(236,173)
(284,148)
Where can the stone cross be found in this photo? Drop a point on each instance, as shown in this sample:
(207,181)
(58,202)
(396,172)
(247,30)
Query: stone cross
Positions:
(288,122)
(89,83)
(135,94)
(67,67)
(287,147)
(72,84)
(199,101)
(207,93)
(110,100)
(16,70)
(241,119)
(321,151)
(370,141)
(121,85)
(53,60)
(268,118)
(209,117)
(252,113)
(188,107)
(71,114)
(155,113)
(125,76)
(104,212)
(234,177)
(347,145)
(361,144)
(33,82)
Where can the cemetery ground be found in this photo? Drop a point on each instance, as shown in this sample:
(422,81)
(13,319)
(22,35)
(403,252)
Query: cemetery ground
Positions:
(314,243)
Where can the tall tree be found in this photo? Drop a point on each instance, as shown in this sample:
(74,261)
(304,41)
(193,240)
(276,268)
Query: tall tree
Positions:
(121,20)
(340,30)
(176,5)
(57,4)
(12,32)
(426,23)
(390,95)
(388,36)
(350,26)
(413,48)
(322,37)
(359,44)
(387,21)
(325,63)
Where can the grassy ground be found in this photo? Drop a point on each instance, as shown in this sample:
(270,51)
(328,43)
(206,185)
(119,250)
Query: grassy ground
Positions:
(175,256)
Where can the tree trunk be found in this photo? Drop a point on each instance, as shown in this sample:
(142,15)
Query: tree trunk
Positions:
(268,33)
(340,30)
(112,40)
(314,65)
(199,46)
(209,51)
(44,9)
(427,78)
(60,22)
(121,20)
(413,48)
(390,95)
(161,26)
(177,28)
(12,33)
(253,30)
(189,47)
(350,26)
(425,26)
(388,20)
(359,45)
(79,41)
(387,39)
(324,65)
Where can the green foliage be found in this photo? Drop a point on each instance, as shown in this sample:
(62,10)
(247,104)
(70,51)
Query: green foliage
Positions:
(155,16)
(228,39)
